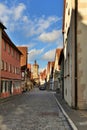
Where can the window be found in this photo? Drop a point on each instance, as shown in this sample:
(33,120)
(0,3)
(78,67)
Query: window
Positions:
(68,62)
(5,66)
(4,85)
(22,74)
(2,65)
(10,68)
(66,25)
(12,52)
(66,4)
(18,70)
(13,69)
(9,49)
(16,55)
(69,11)
(1,86)
(4,45)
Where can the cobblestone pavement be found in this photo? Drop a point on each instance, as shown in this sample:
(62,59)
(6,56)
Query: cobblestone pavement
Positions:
(35,110)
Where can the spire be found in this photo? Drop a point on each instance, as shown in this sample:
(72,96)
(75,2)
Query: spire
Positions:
(35,62)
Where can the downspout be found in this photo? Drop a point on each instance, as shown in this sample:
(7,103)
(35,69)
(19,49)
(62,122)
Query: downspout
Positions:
(76,89)
(0,56)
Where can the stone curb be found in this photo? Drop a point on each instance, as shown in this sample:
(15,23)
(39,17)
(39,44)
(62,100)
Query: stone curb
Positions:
(67,117)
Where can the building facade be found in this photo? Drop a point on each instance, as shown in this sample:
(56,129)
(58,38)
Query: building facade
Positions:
(56,69)
(10,73)
(42,77)
(49,79)
(23,61)
(35,72)
(61,75)
(75,60)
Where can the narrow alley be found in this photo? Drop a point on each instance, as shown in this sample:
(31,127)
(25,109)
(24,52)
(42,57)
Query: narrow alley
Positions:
(35,110)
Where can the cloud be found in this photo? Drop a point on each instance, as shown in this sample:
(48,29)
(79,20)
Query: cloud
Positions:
(49,36)
(25,19)
(11,17)
(15,18)
(39,25)
(49,56)
(4,13)
(17,11)
(29,45)
(44,23)
(34,54)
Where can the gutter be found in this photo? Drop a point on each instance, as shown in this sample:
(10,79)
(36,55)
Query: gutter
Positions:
(76,89)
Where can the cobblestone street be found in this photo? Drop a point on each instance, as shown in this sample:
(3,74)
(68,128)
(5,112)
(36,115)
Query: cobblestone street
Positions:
(35,110)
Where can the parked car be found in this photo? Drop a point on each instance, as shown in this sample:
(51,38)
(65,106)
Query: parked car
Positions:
(42,87)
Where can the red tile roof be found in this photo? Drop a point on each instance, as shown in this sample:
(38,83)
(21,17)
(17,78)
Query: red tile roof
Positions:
(29,66)
(48,66)
(24,51)
(58,51)
(43,74)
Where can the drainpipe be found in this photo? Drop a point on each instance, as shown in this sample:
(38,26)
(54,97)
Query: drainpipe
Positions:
(0,56)
(76,89)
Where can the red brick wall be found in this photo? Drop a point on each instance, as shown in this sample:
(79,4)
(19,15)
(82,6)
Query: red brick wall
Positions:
(10,60)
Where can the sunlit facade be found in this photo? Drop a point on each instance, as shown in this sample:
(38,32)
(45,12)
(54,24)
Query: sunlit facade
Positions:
(10,71)
(75,60)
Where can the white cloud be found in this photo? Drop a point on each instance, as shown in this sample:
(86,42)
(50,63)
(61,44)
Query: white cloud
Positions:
(4,9)
(29,45)
(11,17)
(15,18)
(44,23)
(17,11)
(38,26)
(49,56)
(4,13)
(49,36)
(25,19)
(34,54)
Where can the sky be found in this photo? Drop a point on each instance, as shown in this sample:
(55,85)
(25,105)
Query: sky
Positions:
(36,24)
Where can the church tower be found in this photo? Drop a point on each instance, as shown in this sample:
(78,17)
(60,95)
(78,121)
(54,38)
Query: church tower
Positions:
(35,72)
